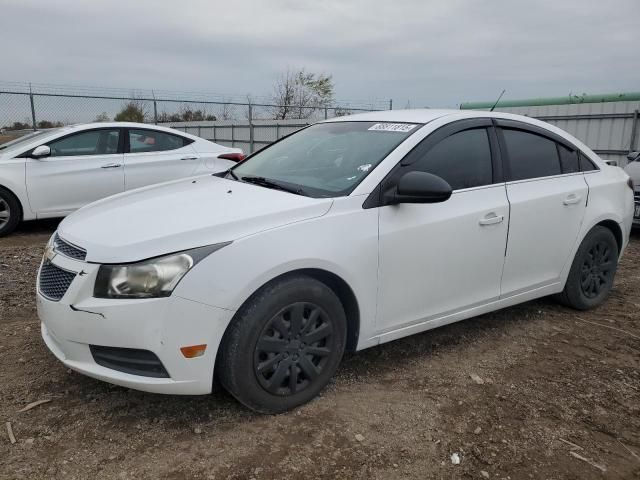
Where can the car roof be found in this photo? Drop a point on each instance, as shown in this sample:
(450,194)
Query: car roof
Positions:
(82,126)
(426,115)
(423,115)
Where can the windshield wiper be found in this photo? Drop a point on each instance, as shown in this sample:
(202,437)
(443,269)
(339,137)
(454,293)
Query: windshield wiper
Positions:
(265,182)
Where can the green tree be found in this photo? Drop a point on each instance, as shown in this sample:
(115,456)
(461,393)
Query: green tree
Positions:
(133,111)
(47,124)
(186,115)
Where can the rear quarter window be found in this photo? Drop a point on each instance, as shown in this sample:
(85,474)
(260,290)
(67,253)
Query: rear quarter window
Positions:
(568,159)
(586,165)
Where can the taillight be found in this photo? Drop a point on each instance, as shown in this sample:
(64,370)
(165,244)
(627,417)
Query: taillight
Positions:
(236,157)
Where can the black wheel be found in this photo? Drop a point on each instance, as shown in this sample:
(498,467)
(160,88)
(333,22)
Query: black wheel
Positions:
(10,212)
(284,345)
(592,271)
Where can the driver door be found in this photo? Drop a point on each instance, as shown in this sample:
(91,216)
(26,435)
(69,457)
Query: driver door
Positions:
(438,259)
(83,167)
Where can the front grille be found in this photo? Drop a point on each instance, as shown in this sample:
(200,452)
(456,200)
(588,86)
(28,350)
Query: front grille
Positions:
(54,282)
(67,249)
(129,360)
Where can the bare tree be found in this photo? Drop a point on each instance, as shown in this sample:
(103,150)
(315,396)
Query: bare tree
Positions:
(225,110)
(297,94)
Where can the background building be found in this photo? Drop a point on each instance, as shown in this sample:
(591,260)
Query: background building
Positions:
(607,123)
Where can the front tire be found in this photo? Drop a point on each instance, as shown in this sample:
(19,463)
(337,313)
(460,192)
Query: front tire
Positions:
(592,271)
(284,345)
(10,212)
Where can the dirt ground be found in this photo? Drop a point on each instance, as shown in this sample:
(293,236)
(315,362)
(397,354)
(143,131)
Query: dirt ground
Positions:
(553,396)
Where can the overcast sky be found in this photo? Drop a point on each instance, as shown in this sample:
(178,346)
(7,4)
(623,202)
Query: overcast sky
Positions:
(426,52)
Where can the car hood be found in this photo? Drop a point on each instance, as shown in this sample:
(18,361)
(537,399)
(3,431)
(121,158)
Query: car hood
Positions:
(185,214)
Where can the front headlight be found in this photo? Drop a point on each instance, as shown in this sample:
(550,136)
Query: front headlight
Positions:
(153,278)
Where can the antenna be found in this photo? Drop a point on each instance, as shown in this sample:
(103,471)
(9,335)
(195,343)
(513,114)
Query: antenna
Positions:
(494,105)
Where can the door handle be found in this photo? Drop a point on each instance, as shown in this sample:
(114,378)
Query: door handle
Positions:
(491,219)
(189,158)
(111,165)
(572,199)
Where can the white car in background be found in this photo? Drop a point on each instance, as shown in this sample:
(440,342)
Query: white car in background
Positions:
(633,170)
(51,173)
(346,234)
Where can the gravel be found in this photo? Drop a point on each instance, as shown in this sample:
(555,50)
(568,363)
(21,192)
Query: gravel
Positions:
(553,382)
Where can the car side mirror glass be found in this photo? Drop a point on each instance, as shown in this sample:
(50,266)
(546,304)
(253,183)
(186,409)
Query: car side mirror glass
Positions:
(419,187)
(41,151)
(633,156)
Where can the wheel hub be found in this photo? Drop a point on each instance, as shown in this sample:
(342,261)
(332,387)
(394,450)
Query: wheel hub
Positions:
(596,269)
(5,213)
(293,348)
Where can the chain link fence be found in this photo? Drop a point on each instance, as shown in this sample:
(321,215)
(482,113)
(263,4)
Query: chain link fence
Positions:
(25,107)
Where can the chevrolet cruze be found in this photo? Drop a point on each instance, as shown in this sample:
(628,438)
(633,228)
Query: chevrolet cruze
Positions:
(349,233)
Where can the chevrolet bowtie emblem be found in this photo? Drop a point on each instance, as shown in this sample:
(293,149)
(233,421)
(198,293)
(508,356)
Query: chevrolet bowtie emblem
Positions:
(49,253)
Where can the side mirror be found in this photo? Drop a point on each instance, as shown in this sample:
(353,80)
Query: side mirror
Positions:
(419,187)
(633,156)
(41,151)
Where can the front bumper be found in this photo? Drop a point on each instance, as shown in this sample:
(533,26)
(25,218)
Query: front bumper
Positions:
(636,218)
(162,326)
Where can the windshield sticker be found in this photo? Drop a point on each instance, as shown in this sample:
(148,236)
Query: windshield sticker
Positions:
(364,168)
(393,127)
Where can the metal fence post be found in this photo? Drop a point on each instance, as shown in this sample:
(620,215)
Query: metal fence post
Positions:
(233,137)
(155,108)
(634,131)
(277,131)
(214,134)
(390,104)
(250,128)
(326,113)
(33,110)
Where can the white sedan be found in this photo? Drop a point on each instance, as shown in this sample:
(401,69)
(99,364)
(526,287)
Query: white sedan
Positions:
(633,169)
(51,173)
(349,233)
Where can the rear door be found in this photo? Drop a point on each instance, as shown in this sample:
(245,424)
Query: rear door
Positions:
(83,167)
(154,156)
(547,195)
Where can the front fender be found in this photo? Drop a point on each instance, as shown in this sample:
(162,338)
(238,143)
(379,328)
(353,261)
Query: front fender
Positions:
(342,243)
(13,178)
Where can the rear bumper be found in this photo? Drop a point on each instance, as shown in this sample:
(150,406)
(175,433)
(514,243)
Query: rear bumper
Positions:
(161,326)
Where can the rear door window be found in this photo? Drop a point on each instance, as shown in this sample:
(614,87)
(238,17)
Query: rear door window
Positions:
(531,155)
(141,141)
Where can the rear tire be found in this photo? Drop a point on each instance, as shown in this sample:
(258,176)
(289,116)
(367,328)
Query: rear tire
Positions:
(284,345)
(593,270)
(10,212)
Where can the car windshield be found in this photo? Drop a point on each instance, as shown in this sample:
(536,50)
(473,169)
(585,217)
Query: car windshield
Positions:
(18,142)
(326,159)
